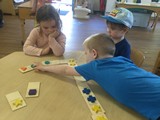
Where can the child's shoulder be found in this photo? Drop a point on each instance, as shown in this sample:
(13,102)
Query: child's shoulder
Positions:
(123,41)
(36,30)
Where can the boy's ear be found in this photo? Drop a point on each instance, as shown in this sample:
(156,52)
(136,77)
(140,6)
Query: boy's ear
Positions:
(95,53)
(126,29)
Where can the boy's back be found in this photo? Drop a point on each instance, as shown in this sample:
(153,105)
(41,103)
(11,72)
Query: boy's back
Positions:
(127,83)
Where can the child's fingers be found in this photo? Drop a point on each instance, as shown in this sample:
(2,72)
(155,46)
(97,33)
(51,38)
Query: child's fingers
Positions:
(36,70)
(54,34)
(36,65)
(39,66)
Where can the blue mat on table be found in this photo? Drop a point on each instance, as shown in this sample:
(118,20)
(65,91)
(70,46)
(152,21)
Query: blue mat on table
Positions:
(62,12)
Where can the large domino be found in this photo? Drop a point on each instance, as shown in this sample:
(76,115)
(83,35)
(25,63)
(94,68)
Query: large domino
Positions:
(33,89)
(99,117)
(54,62)
(28,68)
(15,100)
(70,62)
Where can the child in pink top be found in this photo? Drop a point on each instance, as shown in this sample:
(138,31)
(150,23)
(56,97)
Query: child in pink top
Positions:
(47,37)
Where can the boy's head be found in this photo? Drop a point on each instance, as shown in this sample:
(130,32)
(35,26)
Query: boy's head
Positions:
(120,16)
(98,46)
(119,21)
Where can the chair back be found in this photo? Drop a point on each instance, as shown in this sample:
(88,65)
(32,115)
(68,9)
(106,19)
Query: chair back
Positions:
(137,57)
(156,68)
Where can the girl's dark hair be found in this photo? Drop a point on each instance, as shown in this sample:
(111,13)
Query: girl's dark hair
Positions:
(48,12)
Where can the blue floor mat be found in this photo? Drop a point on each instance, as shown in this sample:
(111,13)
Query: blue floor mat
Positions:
(62,12)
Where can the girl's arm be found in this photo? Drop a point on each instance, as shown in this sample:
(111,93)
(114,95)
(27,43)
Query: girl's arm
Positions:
(57,43)
(45,51)
(57,69)
(30,45)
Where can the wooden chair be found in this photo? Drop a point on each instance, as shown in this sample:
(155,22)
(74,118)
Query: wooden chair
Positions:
(156,68)
(137,57)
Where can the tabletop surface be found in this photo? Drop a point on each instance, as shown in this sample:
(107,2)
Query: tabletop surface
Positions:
(59,98)
(141,4)
(28,4)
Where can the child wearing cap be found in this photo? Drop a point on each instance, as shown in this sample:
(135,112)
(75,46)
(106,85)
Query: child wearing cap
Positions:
(119,21)
(118,76)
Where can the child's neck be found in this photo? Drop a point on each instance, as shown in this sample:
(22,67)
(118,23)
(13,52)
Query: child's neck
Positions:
(106,56)
(118,40)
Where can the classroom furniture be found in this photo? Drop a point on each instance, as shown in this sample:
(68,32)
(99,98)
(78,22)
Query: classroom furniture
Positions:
(137,57)
(156,68)
(81,10)
(82,13)
(152,7)
(8,7)
(59,97)
(138,15)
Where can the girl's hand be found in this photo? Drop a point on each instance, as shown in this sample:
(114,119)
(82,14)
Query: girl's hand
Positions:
(45,51)
(54,34)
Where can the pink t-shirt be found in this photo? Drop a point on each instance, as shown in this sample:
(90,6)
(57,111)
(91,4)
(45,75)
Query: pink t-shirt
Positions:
(37,41)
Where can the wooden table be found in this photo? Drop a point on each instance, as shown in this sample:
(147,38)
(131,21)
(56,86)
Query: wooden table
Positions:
(59,98)
(153,7)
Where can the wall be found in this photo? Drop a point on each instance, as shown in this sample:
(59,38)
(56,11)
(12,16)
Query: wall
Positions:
(111,4)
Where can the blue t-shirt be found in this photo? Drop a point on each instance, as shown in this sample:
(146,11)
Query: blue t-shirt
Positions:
(127,83)
(123,49)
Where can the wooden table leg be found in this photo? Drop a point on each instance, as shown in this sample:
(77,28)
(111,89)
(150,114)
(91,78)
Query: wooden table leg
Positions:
(23,30)
(155,22)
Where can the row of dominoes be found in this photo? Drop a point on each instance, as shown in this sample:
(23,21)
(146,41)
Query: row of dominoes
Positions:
(15,99)
(28,68)
(70,62)
(96,109)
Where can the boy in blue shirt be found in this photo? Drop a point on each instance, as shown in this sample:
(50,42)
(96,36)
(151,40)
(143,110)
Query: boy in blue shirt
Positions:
(118,76)
(119,21)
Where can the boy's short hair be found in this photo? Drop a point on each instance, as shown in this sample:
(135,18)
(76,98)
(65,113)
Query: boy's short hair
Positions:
(116,25)
(120,16)
(102,43)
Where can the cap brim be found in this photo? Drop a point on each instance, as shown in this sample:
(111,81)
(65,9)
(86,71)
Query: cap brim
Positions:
(110,19)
